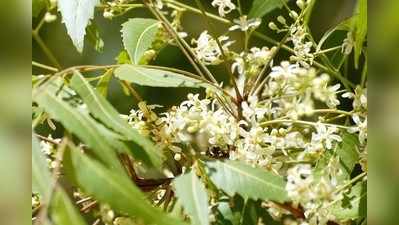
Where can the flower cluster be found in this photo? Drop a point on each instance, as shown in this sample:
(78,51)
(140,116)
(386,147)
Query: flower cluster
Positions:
(208,50)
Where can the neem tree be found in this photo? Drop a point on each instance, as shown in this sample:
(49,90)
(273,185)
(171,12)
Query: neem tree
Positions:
(274,145)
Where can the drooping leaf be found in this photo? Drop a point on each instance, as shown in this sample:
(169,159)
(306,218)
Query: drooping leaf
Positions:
(347,151)
(63,212)
(249,182)
(116,190)
(138,35)
(103,83)
(353,205)
(41,177)
(79,124)
(194,198)
(104,111)
(76,15)
(156,77)
(361,29)
(262,7)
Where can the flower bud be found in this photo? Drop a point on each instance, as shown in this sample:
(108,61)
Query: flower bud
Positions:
(273,26)
(300,4)
(177,157)
(281,20)
(293,14)
(49,17)
(108,14)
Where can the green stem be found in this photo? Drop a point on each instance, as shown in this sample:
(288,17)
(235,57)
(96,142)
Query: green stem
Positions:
(45,49)
(301,122)
(40,65)
(232,78)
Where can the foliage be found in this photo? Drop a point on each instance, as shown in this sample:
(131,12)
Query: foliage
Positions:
(278,140)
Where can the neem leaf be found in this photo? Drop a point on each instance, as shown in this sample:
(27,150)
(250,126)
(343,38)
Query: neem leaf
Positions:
(103,83)
(347,151)
(249,182)
(76,15)
(263,7)
(79,124)
(346,25)
(138,35)
(63,212)
(354,204)
(41,177)
(361,29)
(106,113)
(194,198)
(156,77)
(116,190)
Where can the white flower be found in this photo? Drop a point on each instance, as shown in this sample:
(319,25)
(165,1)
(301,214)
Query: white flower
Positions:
(225,6)
(244,24)
(207,49)
(348,44)
(326,135)
(284,71)
(252,111)
(323,92)
(361,128)
(260,56)
(299,180)
(239,65)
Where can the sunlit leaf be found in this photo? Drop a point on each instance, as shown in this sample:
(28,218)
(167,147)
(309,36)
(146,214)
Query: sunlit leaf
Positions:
(116,190)
(79,124)
(156,77)
(250,182)
(194,198)
(104,111)
(138,35)
(76,15)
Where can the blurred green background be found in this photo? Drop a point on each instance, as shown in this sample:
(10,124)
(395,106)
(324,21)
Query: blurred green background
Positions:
(15,84)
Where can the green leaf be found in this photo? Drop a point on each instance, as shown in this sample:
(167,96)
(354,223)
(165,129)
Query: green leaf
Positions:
(354,204)
(250,182)
(263,7)
(361,29)
(156,77)
(63,212)
(104,111)
(37,7)
(103,83)
(254,212)
(347,151)
(76,15)
(41,177)
(346,25)
(79,124)
(116,190)
(138,35)
(193,197)
(229,211)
